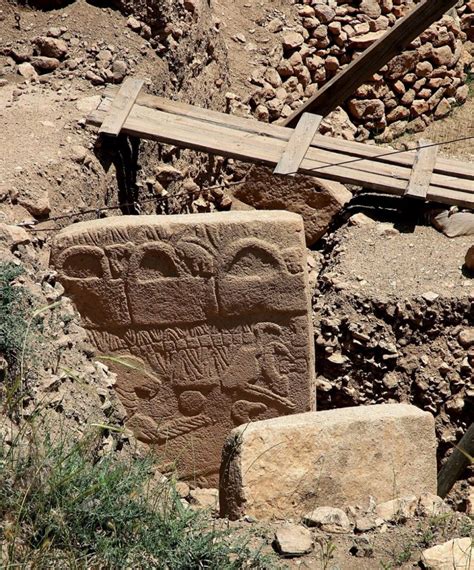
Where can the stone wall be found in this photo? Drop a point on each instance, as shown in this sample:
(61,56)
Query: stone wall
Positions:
(422,84)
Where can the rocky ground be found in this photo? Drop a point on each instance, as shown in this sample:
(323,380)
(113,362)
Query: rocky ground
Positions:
(392,302)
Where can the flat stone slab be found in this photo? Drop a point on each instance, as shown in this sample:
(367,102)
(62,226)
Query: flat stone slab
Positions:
(207,317)
(286,467)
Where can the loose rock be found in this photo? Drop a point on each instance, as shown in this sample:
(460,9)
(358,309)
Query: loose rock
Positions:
(328,519)
(456,554)
(293,540)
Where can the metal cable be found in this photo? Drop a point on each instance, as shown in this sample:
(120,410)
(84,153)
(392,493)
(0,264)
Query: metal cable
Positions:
(391,153)
(224,185)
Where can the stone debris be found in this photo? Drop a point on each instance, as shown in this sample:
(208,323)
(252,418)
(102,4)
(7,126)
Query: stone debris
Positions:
(214,309)
(367,523)
(328,519)
(431,506)
(182,488)
(456,554)
(396,441)
(204,499)
(422,84)
(400,509)
(12,236)
(27,71)
(453,223)
(51,47)
(293,540)
(67,55)
(469,260)
(466,337)
(361,220)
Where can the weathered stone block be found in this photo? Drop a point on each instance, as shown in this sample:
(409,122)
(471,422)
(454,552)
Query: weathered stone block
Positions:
(317,201)
(212,313)
(285,467)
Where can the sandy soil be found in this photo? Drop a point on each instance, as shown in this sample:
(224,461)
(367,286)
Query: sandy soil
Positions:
(408,263)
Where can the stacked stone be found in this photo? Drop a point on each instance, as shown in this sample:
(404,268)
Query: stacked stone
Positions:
(466,15)
(424,82)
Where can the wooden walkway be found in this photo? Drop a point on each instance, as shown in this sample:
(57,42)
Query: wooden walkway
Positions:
(420,173)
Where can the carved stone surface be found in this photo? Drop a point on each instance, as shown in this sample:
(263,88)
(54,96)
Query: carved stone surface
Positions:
(212,313)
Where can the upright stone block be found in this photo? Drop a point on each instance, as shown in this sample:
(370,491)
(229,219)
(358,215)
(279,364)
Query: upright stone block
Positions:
(286,467)
(212,311)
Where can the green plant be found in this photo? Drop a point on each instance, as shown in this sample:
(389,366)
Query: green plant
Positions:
(14,304)
(404,555)
(65,505)
(328,549)
(466,527)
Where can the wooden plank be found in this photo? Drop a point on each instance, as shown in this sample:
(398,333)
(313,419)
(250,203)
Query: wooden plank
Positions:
(324,158)
(334,159)
(422,170)
(121,106)
(354,149)
(456,463)
(298,144)
(361,69)
(188,133)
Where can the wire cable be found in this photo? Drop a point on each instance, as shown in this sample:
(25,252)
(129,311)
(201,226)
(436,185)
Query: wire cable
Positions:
(382,155)
(224,185)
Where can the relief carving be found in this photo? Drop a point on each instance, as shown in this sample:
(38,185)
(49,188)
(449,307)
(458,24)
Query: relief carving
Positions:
(212,309)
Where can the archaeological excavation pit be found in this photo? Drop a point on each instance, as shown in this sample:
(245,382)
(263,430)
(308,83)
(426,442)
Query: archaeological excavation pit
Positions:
(224,296)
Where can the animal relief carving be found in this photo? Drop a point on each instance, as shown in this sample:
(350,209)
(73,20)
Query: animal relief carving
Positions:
(215,308)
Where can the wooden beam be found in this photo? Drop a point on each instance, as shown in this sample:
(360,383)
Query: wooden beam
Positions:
(361,69)
(121,106)
(186,132)
(456,463)
(422,171)
(298,144)
(444,166)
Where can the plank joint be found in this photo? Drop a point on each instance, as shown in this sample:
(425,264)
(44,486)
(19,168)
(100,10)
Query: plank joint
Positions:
(121,106)
(298,144)
(422,171)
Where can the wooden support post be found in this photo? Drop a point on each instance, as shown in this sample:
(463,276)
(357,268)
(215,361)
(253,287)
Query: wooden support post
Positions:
(361,69)
(298,144)
(422,171)
(121,106)
(457,462)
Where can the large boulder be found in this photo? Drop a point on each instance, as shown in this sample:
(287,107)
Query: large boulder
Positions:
(456,554)
(317,201)
(288,466)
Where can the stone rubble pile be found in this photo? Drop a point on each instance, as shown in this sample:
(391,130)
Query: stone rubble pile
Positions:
(66,385)
(424,83)
(466,13)
(65,53)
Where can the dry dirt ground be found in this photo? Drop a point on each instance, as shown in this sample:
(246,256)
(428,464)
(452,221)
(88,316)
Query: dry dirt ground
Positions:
(384,263)
(48,165)
(46,156)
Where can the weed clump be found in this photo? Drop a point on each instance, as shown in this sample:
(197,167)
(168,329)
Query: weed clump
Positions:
(14,303)
(68,506)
